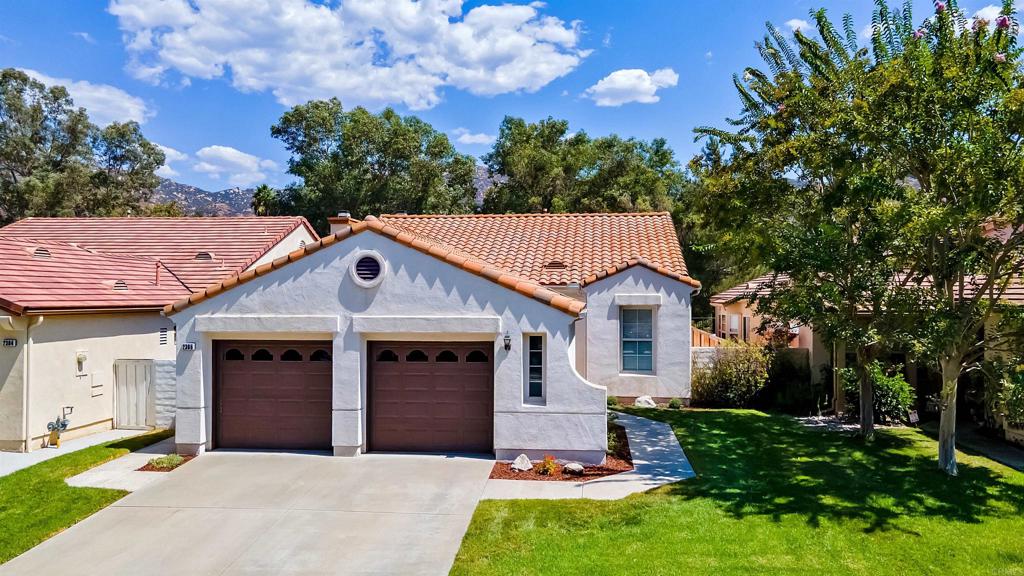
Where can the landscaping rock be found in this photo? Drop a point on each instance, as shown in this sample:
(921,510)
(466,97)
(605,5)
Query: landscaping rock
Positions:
(573,469)
(522,463)
(645,402)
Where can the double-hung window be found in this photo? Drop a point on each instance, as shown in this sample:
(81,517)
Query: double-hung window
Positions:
(535,368)
(637,339)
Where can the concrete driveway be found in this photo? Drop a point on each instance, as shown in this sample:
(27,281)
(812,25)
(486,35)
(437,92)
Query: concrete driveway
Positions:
(230,513)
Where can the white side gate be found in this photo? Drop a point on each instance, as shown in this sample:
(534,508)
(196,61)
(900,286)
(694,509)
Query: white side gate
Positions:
(133,394)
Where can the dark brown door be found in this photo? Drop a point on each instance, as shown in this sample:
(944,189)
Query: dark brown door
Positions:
(431,397)
(273,395)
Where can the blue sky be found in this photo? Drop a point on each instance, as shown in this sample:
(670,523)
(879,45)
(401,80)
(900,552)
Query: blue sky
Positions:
(208,78)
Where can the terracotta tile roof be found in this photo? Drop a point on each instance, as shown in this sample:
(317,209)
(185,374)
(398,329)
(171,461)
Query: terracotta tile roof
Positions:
(37,276)
(454,257)
(233,243)
(556,249)
(758,286)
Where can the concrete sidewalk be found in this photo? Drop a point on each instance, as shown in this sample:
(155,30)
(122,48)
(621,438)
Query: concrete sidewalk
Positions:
(658,459)
(123,473)
(14,461)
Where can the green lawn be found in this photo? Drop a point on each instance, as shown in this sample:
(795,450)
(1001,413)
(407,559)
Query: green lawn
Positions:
(772,497)
(35,503)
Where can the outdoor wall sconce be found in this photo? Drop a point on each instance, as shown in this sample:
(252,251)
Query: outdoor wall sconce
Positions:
(508,341)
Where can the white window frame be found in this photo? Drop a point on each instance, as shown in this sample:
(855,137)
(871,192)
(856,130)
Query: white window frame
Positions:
(734,326)
(528,363)
(653,340)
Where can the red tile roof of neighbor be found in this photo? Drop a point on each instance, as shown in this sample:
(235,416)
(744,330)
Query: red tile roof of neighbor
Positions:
(45,275)
(759,286)
(513,250)
(233,243)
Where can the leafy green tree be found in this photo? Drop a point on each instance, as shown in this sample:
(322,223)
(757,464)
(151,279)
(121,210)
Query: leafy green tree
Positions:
(923,132)
(370,164)
(791,191)
(54,162)
(945,110)
(541,167)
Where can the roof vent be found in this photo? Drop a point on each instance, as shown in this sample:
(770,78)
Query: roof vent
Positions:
(555,265)
(120,285)
(41,253)
(204,256)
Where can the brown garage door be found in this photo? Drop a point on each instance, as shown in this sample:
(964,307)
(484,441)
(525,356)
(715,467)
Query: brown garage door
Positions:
(431,397)
(273,395)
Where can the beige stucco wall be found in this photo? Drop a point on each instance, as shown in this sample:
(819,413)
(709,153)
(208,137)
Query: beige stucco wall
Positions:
(12,390)
(53,377)
(293,241)
(819,351)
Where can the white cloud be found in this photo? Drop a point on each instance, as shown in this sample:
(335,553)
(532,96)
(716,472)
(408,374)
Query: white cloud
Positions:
(105,103)
(84,36)
(607,40)
(239,168)
(867,32)
(170,155)
(464,136)
(631,85)
(370,52)
(709,55)
(798,24)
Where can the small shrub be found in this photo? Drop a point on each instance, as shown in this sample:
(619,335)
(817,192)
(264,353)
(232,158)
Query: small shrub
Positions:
(613,402)
(1013,395)
(675,404)
(549,466)
(735,375)
(893,395)
(167,462)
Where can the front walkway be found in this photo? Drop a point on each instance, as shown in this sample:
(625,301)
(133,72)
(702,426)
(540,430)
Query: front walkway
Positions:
(14,461)
(232,513)
(123,473)
(657,460)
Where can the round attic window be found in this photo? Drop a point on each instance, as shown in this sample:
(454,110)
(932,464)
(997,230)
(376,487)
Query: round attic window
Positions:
(368,270)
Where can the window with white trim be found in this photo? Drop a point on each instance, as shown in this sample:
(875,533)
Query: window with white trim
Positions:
(734,326)
(637,339)
(534,368)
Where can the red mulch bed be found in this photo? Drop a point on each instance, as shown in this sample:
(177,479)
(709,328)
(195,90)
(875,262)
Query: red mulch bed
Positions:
(150,468)
(620,461)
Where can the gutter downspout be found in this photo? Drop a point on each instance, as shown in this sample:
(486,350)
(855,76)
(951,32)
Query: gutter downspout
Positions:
(26,377)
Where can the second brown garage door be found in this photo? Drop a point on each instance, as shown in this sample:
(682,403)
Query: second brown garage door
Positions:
(431,397)
(273,395)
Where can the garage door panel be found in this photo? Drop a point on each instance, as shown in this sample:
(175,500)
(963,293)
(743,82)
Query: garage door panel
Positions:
(283,402)
(442,404)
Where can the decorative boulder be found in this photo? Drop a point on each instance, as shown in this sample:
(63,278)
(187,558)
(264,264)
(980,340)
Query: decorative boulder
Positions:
(645,402)
(573,469)
(522,463)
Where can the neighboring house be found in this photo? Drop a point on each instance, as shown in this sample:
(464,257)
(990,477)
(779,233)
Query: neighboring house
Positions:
(479,333)
(736,318)
(81,318)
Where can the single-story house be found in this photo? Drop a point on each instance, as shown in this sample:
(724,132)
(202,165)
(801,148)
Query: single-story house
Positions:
(500,334)
(81,313)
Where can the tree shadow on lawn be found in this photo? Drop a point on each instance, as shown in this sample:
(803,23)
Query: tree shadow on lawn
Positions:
(757,464)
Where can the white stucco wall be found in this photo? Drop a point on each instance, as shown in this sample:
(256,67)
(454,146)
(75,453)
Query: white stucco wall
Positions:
(293,241)
(635,287)
(420,298)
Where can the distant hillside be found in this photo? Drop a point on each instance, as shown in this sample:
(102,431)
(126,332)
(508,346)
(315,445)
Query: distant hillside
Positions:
(238,201)
(228,202)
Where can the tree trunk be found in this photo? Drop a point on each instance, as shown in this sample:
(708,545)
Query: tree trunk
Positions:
(947,422)
(867,396)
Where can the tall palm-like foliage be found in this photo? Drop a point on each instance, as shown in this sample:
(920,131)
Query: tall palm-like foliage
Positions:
(886,181)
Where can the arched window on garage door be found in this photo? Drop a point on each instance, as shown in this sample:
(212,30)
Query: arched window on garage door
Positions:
(387,356)
(320,355)
(262,355)
(446,356)
(476,356)
(234,354)
(417,356)
(291,355)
